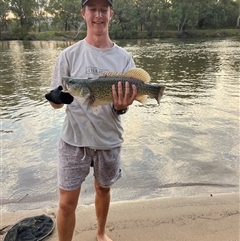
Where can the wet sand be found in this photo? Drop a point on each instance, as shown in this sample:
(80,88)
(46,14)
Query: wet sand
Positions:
(204,218)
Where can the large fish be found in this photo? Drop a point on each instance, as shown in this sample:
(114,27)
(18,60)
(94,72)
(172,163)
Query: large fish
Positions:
(98,91)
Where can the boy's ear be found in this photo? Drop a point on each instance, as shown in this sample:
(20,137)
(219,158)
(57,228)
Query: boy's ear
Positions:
(112,13)
(82,12)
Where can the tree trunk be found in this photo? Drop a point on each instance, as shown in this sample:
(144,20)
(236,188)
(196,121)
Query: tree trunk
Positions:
(81,24)
(183,24)
(238,21)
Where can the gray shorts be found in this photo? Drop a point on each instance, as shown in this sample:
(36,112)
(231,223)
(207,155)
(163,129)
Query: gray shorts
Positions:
(75,162)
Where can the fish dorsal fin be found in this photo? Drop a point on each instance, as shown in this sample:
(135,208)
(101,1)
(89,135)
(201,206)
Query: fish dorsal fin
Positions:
(111,74)
(138,73)
(135,73)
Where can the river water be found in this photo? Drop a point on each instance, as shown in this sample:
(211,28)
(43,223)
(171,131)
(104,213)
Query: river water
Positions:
(189,145)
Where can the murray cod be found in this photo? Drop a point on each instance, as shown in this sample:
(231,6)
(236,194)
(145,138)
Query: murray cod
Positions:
(97,92)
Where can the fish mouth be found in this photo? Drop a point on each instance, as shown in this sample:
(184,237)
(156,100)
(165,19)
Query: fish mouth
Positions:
(65,84)
(66,88)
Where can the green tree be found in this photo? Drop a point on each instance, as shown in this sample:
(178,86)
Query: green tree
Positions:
(185,13)
(40,15)
(143,13)
(206,13)
(4,10)
(218,14)
(164,15)
(238,18)
(29,14)
(153,15)
(66,14)
(24,12)
(232,11)
(125,19)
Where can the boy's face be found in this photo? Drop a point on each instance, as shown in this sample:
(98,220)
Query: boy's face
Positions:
(97,14)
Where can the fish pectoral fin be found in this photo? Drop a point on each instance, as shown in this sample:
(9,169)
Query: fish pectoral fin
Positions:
(81,99)
(90,101)
(89,104)
(139,74)
(86,99)
(142,98)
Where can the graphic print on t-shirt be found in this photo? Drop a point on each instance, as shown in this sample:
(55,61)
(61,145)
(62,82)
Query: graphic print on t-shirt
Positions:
(93,71)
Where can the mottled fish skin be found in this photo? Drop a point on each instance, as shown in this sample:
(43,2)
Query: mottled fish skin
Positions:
(99,91)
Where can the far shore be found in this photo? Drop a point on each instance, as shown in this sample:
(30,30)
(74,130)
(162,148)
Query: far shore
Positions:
(75,36)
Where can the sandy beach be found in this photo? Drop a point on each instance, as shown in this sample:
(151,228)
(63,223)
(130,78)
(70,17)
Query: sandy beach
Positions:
(204,218)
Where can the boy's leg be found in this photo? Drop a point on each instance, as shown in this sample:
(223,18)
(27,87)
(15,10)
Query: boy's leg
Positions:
(102,201)
(66,214)
(107,171)
(72,171)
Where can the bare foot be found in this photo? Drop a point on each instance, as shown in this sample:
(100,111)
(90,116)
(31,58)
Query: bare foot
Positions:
(103,238)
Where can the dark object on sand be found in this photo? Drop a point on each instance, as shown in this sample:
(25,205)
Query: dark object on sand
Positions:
(30,229)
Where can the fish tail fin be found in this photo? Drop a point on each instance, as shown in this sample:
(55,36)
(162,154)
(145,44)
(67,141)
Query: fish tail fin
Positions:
(160,94)
(138,73)
(143,98)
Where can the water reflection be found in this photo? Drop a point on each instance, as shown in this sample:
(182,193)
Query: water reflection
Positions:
(187,146)
(28,67)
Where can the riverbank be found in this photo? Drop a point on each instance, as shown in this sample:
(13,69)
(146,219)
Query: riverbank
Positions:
(73,35)
(205,218)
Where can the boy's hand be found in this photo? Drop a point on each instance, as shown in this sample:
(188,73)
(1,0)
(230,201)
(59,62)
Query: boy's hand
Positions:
(123,100)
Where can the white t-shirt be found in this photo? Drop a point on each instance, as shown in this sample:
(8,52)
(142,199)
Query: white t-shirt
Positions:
(82,127)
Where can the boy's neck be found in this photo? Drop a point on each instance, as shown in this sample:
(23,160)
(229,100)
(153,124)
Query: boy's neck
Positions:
(102,42)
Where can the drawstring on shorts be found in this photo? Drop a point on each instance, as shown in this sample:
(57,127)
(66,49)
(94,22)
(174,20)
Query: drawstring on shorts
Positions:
(84,154)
